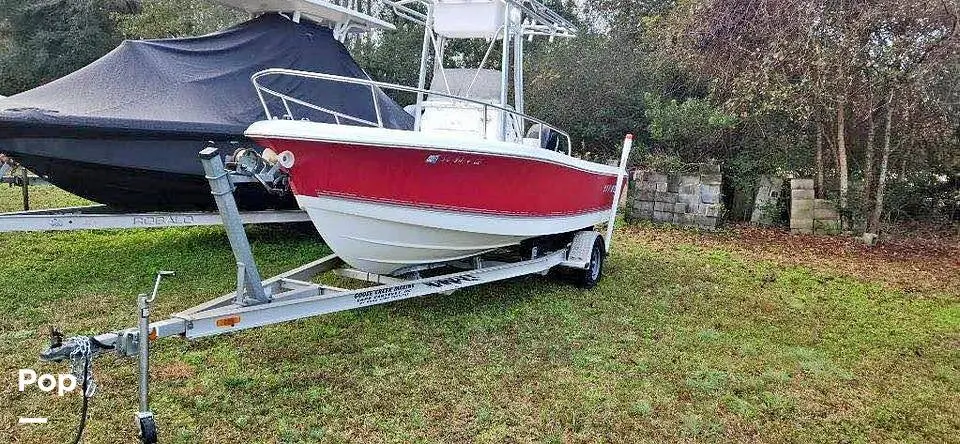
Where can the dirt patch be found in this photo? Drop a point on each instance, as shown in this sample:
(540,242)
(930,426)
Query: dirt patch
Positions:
(911,264)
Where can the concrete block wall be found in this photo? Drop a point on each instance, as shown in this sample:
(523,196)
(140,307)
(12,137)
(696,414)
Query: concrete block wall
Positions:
(808,214)
(685,199)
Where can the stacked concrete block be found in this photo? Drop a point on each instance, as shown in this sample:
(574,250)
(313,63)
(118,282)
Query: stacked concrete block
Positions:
(691,199)
(768,196)
(826,218)
(801,205)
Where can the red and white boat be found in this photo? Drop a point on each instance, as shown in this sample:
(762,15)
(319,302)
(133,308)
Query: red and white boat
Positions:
(474,173)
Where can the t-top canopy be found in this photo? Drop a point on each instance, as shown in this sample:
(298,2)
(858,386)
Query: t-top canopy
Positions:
(320,11)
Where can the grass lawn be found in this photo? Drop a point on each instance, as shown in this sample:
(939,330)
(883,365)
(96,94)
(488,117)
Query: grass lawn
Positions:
(690,337)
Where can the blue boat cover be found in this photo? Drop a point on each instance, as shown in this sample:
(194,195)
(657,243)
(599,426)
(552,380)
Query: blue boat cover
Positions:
(200,85)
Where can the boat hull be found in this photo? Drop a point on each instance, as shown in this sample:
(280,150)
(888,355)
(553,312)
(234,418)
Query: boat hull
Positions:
(387,200)
(145,172)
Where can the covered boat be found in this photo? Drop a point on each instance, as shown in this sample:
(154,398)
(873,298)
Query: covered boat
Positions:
(473,175)
(125,130)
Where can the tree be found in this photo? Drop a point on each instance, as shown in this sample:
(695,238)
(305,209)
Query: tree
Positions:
(46,39)
(815,60)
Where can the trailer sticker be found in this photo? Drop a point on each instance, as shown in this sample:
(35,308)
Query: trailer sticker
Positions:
(453,281)
(381,295)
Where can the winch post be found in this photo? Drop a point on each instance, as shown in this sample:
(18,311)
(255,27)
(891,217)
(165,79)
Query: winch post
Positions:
(222,190)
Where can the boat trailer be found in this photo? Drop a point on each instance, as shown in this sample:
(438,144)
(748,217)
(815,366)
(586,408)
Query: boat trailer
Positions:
(291,295)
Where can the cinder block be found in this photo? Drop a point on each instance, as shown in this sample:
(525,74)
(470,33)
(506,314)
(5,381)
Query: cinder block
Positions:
(661,216)
(825,204)
(710,210)
(657,177)
(689,180)
(710,193)
(826,227)
(673,183)
(801,224)
(801,194)
(661,187)
(801,184)
(824,214)
(711,179)
(801,205)
(707,222)
(666,197)
(689,199)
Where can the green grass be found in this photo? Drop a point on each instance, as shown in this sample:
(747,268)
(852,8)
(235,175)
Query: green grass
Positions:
(676,344)
(45,196)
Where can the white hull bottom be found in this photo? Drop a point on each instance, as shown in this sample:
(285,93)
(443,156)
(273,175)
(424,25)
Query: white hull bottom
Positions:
(383,238)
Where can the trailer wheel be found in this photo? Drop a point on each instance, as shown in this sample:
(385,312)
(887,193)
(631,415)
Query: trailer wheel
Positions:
(148,429)
(588,278)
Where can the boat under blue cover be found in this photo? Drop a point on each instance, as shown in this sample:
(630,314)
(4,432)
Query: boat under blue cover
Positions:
(125,130)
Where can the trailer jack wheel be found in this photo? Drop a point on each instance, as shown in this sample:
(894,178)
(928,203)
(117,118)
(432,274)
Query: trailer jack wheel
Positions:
(588,277)
(148,428)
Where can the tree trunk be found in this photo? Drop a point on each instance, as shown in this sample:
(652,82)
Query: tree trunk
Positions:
(868,167)
(874,226)
(819,187)
(842,152)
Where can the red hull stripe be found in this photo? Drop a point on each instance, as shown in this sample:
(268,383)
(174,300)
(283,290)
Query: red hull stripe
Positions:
(456,181)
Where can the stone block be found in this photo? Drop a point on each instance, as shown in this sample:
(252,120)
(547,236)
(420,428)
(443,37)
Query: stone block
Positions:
(710,194)
(824,204)
(801,205)
(661,187)
(826,226)
(689,199)
(692,189)
(647,186)
(801,184)
(689,180)
(711,179)
(646,194)
(706,168)
(645,206)
(709,210)
(685,218)
(801,230)
(803,225)
(679,207)
(653,176)
(661,216)
(825,214)
(801,195)
(707,222)
(666,197)
(644,214)
(662,206)
(673,186)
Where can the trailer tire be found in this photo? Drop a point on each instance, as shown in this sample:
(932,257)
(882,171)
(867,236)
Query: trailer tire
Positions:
(588,277)
(148,429)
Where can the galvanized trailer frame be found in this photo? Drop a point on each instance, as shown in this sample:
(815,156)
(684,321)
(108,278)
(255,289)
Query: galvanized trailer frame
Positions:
(100,217)
(291,296)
